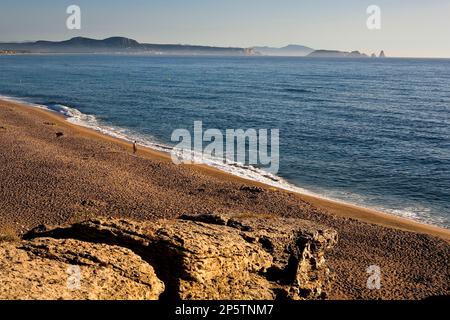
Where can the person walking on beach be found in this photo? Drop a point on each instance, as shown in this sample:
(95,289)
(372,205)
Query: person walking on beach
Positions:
(134,147)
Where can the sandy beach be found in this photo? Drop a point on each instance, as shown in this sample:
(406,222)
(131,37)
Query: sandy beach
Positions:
(54,172)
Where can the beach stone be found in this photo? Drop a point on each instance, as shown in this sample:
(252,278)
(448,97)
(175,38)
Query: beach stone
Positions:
(52,269)
(252,189)
(235,257)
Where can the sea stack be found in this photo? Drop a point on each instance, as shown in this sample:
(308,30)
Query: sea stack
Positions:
(382,55)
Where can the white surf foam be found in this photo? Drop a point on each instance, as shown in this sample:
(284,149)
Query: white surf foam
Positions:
(249,172)
(20,100)
(75,116)
(415,211)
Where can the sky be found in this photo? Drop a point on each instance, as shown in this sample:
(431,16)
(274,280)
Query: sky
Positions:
(413,28)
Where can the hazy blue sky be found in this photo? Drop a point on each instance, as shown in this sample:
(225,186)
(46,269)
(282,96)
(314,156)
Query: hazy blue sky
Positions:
(409,28)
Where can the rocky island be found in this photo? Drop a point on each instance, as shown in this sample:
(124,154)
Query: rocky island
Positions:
(336,54)
(342,54)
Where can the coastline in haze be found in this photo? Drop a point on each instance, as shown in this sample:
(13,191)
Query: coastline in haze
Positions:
(121,45)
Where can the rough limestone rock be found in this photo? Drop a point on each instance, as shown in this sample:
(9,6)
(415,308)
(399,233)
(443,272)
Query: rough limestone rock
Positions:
(196,257)
(297,247)
(69,269)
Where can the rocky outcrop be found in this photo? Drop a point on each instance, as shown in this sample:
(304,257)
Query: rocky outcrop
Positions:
(69,269)
(195,257)
(7,52)
(296,247)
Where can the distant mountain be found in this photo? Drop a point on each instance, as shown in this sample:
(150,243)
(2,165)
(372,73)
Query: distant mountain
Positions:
(336,54)
(291,50)
(119,45)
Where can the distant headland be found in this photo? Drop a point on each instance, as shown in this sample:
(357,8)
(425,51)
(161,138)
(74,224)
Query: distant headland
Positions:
(342,54)
(121,45)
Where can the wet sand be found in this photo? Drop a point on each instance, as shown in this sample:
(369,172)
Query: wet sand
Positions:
(46,179)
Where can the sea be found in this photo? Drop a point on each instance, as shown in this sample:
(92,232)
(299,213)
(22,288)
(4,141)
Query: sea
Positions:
(370,132)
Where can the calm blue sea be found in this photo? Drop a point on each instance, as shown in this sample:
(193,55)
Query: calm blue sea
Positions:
(370,132)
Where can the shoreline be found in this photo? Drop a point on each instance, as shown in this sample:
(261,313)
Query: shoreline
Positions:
(335,207)
(57,173)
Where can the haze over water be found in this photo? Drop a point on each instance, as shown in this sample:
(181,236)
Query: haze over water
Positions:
(374,132)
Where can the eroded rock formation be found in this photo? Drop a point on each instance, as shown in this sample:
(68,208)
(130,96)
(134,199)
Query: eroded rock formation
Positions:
(48,268)
(195,257)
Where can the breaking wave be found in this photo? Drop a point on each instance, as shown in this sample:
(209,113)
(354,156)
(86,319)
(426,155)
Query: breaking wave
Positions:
(75,116)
